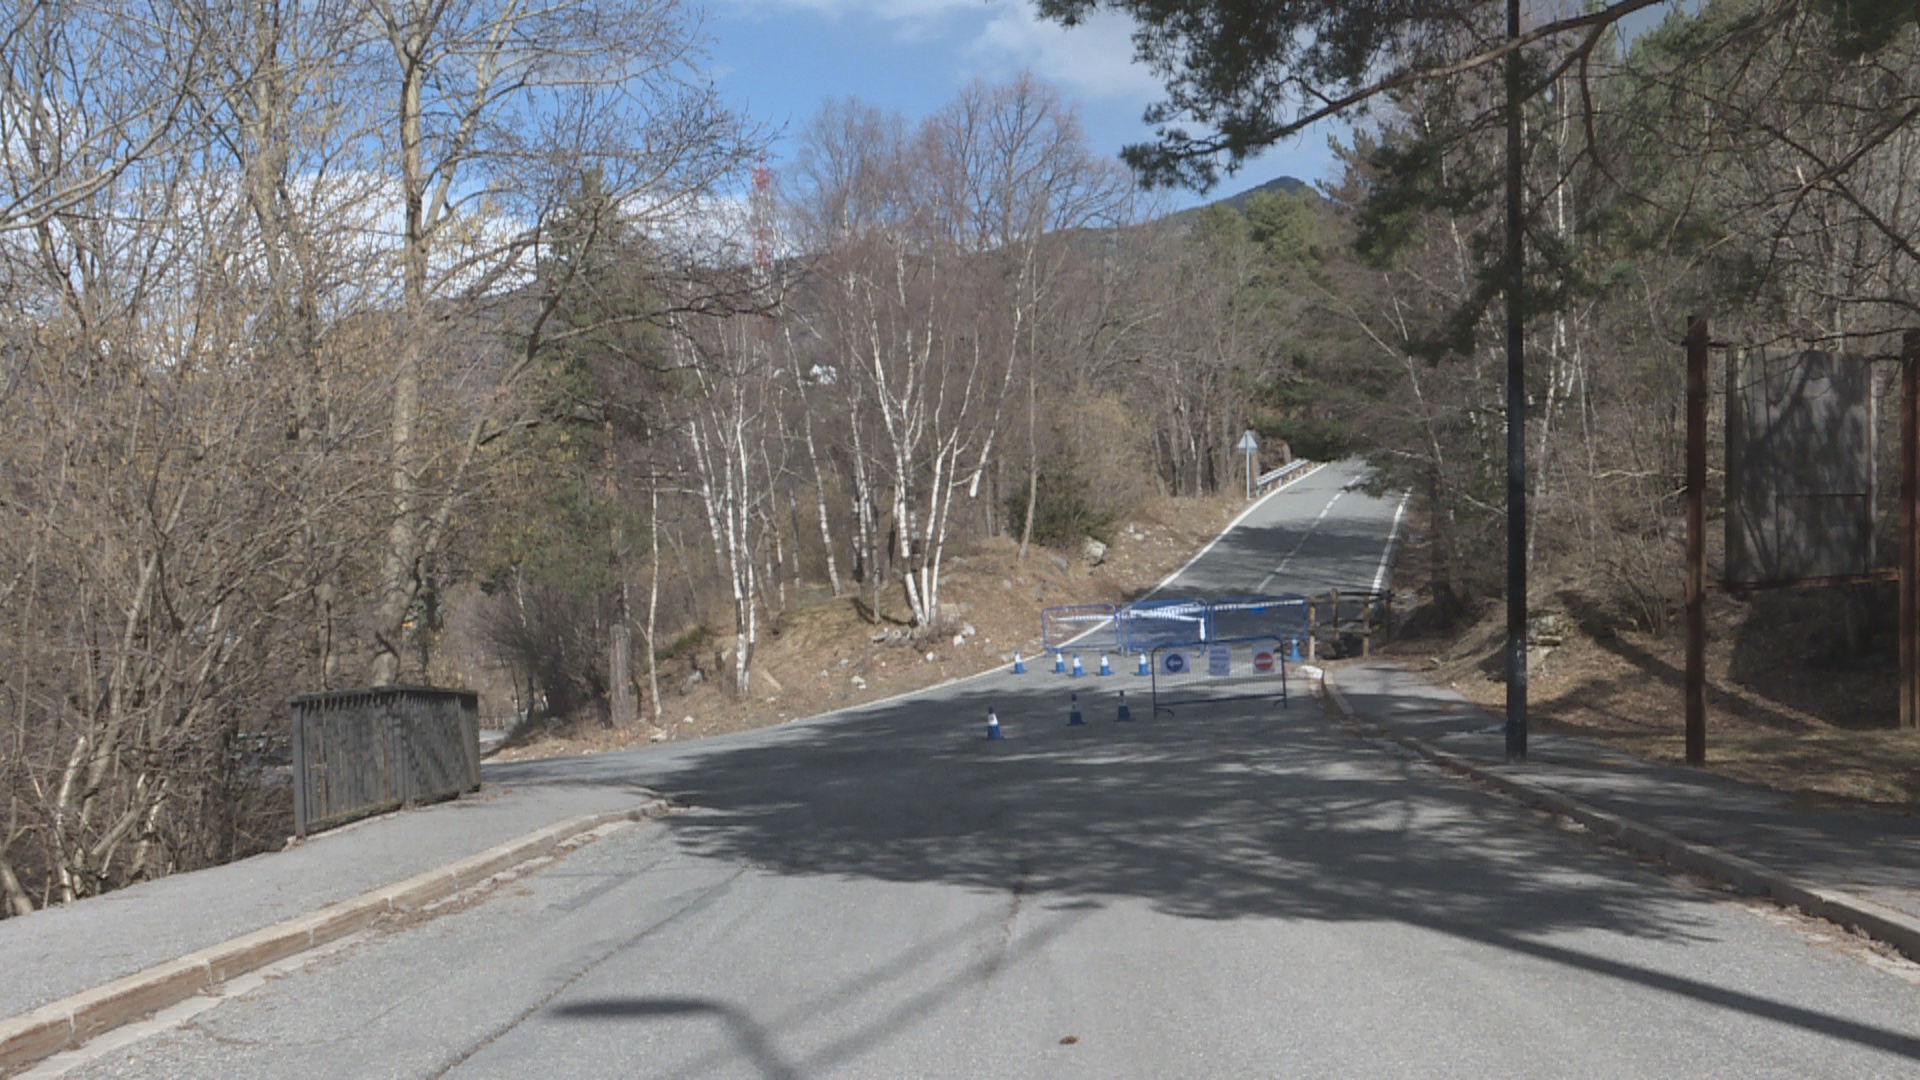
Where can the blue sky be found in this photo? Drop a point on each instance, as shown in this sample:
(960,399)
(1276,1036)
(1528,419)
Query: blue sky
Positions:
(779,60)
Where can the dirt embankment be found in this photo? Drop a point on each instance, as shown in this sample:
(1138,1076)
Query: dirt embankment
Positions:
(1786,710)
(822,652)
(1800,684)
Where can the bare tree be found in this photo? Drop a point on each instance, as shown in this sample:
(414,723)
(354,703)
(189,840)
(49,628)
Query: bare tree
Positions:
(502,110)
(88,92)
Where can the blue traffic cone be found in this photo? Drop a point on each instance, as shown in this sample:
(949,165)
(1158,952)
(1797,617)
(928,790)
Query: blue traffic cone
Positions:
(1105,668)
(1019,665)
(1293,651)
(1073,716)
(1144,670)
(1059,663)
(1077,670)
(993,725)
(1125,715)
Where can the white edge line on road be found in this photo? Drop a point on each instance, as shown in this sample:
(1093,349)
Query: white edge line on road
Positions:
(1231,525)
(1002,668)
(1302,542)
(1386,557)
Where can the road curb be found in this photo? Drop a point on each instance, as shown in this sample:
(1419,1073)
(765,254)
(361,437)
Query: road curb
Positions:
(1856,913)
(71,1021)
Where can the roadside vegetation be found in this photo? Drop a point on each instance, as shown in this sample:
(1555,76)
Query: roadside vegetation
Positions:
(535,383)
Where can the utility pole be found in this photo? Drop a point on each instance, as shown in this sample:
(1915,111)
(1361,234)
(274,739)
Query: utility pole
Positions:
(1516,412)
(1695,680)
(1910,530)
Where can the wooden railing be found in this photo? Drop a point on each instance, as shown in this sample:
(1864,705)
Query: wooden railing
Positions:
(361,752)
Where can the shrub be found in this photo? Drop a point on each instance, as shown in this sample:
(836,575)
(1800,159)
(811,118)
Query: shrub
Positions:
(1063,515)
(552,640)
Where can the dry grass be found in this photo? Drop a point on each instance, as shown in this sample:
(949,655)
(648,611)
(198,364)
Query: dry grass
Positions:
(821,653)
(1784,710)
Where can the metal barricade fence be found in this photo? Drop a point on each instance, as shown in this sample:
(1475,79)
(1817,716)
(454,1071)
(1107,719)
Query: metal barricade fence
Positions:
(360,752)
(1242,669)
(1225,649)
(1196,650)
(1087,626)
(1152,624)
(1243,618)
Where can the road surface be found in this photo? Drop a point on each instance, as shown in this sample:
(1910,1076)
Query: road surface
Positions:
(1242,891)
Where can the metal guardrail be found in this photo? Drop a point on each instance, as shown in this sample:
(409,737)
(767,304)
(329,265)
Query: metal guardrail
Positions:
(361,752)
(1274,476)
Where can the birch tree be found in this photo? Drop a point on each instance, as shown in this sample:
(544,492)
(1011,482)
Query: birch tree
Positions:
(738,388)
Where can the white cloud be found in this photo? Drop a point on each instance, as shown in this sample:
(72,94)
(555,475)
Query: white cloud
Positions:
(897,11)
(997,38)
(1092,61)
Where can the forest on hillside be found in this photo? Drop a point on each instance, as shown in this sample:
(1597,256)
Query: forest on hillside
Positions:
(286,372)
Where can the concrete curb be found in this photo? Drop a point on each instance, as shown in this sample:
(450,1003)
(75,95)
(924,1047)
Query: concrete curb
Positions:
(1876,921)
(71,1021)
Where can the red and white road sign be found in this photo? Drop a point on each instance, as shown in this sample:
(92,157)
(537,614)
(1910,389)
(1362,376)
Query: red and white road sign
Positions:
(1263,661)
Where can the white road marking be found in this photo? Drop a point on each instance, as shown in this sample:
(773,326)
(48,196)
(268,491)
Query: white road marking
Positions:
(1278,570)
(1231,525)
(1386,557)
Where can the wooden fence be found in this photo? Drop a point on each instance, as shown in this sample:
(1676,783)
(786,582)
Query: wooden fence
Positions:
(1346,623)
(361,752)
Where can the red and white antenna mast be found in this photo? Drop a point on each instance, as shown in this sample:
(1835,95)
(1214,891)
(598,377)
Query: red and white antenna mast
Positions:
(760,220)
(760,207)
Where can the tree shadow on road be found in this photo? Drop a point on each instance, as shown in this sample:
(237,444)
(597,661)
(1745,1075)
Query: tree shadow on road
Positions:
(1221,812)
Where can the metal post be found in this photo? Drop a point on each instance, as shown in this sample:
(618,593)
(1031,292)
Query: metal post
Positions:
(1516,413)
(1249,446)
(1696,618)
(1910,529)
(1335,595)
(301,781)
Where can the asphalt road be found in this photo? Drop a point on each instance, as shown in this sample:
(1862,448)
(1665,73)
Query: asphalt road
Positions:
(1241,891)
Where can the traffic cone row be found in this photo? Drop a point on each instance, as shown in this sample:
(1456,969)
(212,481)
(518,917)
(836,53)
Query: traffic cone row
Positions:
(1106,664)
(1122,715)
